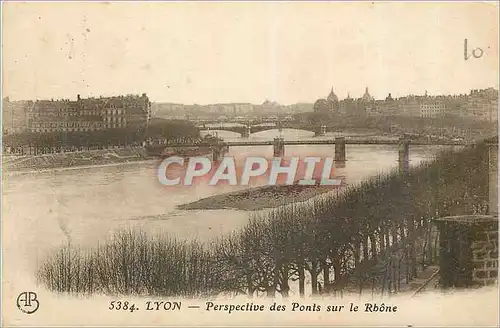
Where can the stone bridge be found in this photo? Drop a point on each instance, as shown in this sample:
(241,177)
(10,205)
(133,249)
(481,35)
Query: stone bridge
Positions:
(246,130)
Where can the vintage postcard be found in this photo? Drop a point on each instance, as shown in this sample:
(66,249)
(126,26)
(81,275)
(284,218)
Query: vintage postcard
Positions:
(250,164)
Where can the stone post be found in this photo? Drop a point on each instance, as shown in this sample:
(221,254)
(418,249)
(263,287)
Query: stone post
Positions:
(279,147)
(404,155)
(485,254)
(468,250)
(340,149)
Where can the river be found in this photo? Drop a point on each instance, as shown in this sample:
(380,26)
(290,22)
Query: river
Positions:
(84,206)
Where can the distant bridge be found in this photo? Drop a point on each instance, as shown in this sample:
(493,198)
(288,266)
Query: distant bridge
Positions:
(255,126)
(244,120)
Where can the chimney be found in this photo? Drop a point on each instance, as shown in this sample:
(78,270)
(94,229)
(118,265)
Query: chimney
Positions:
(493,178)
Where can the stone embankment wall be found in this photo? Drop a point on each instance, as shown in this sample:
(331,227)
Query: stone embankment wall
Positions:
(74,159)
(485,257)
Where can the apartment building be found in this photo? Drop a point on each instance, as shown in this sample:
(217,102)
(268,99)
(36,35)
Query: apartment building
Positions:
(89,114)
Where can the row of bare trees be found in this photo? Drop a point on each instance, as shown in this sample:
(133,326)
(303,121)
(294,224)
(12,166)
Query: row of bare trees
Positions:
(323,244)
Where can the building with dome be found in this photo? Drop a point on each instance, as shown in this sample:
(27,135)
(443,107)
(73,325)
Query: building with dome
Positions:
(355,107)
(367,97)
(479,104)
(333,101)
(332,97)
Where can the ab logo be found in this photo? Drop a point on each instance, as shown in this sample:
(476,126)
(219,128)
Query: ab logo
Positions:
(27,302)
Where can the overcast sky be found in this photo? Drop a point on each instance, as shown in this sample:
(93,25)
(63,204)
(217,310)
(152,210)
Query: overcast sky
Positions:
(246,52)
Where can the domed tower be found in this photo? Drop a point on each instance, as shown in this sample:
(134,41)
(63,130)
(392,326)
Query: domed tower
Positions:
(333,101)
(321,106)
(332,97)
(367,97)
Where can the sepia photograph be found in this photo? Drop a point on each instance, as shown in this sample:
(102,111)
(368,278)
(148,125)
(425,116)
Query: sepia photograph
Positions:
(274,163)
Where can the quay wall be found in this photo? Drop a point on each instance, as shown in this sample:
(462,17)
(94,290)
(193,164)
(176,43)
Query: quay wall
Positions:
(73,159)
(485,257)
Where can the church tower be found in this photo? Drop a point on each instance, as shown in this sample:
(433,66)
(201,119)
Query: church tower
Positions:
(333,101)
(367,97)
(332,97)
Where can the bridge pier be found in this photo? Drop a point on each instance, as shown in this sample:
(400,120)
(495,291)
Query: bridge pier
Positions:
(218,152)
(340,150)
(404,155)
(219,148)
(246,132)
(279,147)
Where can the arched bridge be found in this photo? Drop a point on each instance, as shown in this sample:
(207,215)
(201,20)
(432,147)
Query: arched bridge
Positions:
(246,130)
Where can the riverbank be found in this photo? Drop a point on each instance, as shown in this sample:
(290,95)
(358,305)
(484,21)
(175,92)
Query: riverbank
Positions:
(258,198)
(87,158)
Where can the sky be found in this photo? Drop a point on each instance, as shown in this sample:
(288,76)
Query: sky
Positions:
(246,52)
